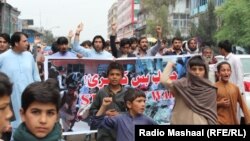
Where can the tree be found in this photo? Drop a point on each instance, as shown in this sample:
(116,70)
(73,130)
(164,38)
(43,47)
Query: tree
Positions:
(235,22)
(178,33)
(157,11)
(207,24)
(193,30)
(48,37)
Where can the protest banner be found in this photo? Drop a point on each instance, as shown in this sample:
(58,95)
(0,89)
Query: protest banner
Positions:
(89,75)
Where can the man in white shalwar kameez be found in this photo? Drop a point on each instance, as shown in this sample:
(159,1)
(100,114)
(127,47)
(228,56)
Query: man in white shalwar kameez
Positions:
(20,66)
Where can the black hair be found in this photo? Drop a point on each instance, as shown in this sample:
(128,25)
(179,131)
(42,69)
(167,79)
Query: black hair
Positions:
(226,45)
(54,47)
(6,37)
(176,38)
(16,37)
(198,60)
(133,40)
(132,93)
(164,40)
(53,73)
(107,43)
(44,92)
(87,42)
(222,63)
(141,38)
(115,65)
(53,82)
(28,47)
(5,85)
(62,41)
(99,37)
(124,41)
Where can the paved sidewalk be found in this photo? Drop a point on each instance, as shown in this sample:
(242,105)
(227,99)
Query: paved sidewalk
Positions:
(79,138)
(80,126)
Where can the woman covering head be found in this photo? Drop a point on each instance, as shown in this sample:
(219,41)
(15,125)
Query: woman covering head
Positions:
(195,96)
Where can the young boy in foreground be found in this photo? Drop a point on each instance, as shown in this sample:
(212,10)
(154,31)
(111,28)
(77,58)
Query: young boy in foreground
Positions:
(40,104)
(5,110)
(228,96)
(124,123)
(195,96)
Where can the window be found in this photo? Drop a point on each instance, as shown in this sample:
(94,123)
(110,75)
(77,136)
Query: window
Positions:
(219,2)
(175,23)
(203,2)
(75,68)
(175,16)
(187,3)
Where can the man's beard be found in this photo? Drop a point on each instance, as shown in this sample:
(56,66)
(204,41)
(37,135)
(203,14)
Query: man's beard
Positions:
(63,51)
(192,49)
(177,48)
(144,48)
(98,49)
(208,59)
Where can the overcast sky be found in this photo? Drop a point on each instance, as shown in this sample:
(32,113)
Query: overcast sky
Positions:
(63,15)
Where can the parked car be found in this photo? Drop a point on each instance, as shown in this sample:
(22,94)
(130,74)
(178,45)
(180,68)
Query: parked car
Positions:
(245,60)
(239,50)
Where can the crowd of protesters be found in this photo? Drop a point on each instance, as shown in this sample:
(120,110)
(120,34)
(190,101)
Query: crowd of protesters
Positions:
(201,97)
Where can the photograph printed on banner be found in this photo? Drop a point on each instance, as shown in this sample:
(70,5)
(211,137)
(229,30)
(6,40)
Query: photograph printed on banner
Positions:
(81,79)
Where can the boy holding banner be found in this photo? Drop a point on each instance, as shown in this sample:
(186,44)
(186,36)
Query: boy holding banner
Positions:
(115,91)
(124,124)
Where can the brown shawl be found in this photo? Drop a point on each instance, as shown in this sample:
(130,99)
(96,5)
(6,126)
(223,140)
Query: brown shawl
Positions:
(199,94)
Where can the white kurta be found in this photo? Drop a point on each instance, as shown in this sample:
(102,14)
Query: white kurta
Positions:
(237,71)
(22,70)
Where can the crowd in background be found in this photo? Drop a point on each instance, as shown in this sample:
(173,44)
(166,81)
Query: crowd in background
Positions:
(201,97)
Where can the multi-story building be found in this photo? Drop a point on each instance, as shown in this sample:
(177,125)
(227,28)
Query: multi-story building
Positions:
(112,17)
(32,33)
(127,17)
(178,18)
(9,22)
(140,27)
(200,6)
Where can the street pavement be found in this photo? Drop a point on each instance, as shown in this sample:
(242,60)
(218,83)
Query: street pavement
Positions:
(78,136)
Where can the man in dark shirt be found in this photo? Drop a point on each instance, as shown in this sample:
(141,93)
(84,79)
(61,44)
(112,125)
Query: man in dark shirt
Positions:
(176,48)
